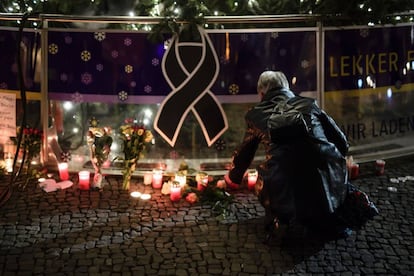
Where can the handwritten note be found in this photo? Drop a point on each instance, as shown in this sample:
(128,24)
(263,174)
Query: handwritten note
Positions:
(7,116)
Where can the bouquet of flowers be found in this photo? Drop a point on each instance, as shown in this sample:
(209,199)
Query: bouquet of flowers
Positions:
(135,137)
(32,142)
(99,141)
(31,145)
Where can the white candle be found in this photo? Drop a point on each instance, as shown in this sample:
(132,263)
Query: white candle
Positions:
(147,178)
(145,196)
(181,179)
(202,181)
(157,179)
(251,179)
(175,192)
(84,177)
(63,171)
(9,164)
(136,194)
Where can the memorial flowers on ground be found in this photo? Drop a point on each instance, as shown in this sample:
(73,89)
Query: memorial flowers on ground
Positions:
(99,141)
(135,138)
(31,144)
(213,193)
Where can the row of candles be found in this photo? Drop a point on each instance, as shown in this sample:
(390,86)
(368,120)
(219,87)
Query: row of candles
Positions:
(155,178)
(353,168)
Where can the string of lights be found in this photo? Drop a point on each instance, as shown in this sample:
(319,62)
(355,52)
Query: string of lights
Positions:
(369,12)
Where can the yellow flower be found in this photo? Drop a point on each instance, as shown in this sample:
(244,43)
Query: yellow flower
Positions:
(148,136)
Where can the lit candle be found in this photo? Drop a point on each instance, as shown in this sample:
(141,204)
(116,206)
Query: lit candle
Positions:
(9,164)
(157,179)
(202,181)
(175,191)
(147,178)
(354,171)
(145,196)
(181,178)
(63,171)
(84,177)
(136,194)
(251,179)
(380,167)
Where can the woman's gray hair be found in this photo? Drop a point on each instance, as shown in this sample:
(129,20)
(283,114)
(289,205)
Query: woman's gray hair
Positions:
(272,79)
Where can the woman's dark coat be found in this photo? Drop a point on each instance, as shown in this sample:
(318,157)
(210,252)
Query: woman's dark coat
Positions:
(304,175)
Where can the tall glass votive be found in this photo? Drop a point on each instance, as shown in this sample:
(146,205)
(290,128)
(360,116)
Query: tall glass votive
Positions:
(157,179)
(251,179)
(202,180)
(84,180)
(9,163)
(380,166)
(181,178)
(147,178)
(63,171)
(175,191)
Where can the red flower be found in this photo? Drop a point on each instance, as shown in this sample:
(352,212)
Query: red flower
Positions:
(191,198)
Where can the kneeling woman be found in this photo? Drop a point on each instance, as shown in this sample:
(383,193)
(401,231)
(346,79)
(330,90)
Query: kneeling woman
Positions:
(304,176)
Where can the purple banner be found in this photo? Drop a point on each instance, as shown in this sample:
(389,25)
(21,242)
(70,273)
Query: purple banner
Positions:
(123,67)
(368,57)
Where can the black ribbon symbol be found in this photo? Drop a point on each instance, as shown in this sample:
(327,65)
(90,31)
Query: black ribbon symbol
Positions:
(190,69)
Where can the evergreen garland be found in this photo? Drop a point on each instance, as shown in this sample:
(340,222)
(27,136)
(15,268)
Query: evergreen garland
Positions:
(334,12)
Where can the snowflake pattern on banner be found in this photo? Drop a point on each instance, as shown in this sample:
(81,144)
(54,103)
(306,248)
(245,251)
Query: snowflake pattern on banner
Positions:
(220,145)
(127,41)
(86,78)
(65,156)
(155,62)
(77,97)
(123,96)
(147,89)
(68,39)
(304,64)
(234,89)
(100,36)
(114,54)
(53,49)
(86,56)
(129,69)
(274,35)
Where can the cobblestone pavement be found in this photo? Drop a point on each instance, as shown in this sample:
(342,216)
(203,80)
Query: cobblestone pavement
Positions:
(74,232)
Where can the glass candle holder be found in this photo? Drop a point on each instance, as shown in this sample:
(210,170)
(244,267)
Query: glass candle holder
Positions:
(147,178)
(181,179)
(63,171)
(175,191)
(157,179)
(202,180)
(380,167)
(84,180)
(251,179)
(354,171)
